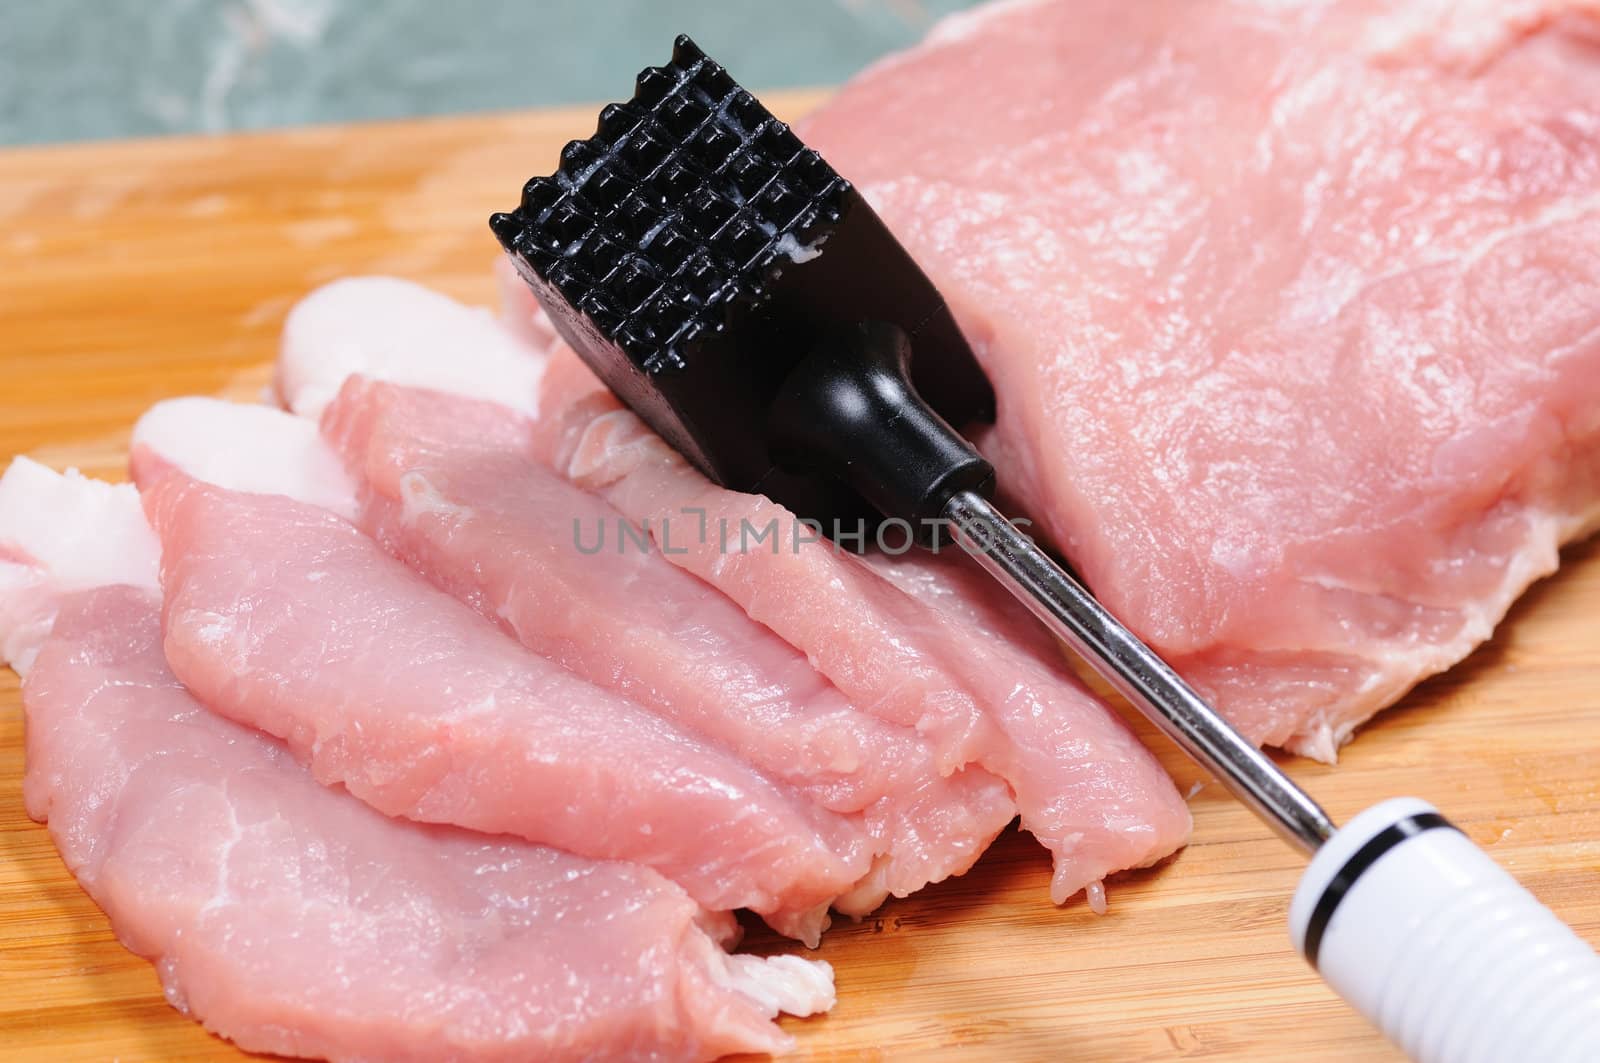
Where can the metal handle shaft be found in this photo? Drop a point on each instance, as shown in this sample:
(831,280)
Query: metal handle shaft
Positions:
(1130,666)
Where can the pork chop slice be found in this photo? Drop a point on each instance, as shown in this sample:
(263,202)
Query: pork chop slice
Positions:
(450,485)
(1293,313)
(285,617)
(293,919)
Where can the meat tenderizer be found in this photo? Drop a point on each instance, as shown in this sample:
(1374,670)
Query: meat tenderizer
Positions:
(741,296)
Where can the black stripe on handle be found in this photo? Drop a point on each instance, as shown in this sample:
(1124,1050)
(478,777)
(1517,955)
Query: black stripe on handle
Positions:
(1356,866)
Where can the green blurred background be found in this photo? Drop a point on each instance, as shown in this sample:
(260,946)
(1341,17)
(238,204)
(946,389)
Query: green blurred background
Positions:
(78,69)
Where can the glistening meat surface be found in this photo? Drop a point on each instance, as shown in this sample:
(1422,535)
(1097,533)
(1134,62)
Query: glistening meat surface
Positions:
(1293,312)
(287,618)
(291,918)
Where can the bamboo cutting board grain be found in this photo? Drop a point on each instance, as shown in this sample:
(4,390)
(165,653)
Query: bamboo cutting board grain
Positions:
(132,272)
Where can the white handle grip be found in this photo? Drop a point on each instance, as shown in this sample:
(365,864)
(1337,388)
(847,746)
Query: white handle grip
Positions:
(1440,948)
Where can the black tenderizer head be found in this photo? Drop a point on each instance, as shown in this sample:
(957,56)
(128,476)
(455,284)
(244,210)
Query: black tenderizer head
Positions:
(695,253)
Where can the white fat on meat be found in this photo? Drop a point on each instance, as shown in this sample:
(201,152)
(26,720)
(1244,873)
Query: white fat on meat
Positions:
(245,447)
(61,533)
(401,331)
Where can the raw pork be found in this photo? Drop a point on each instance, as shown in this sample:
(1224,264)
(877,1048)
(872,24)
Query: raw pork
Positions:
(1293,312)
(293,919)
(450,486)
(283,616)
(1085,787)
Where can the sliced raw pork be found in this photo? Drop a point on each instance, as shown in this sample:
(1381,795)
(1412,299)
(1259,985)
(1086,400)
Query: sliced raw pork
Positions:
(291,918)
(450,485)
(450,488)
(285,617)
(1085,787)
(1293,312)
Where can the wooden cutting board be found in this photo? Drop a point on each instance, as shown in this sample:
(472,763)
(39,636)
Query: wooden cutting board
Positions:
(132,272)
